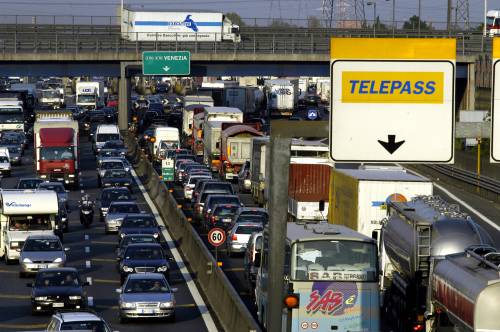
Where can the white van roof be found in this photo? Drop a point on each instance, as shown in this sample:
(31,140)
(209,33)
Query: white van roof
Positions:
(107,129)
(18,202)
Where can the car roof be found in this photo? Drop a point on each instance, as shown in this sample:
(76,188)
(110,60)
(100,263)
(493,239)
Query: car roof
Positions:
(111,159)
(115,188)
(30,179)
(138,235)
(124,203)
(42,237)
(139,215)
(147,275)
(78,316)
(211,196)
(51,184)
(152,245)
(246,223)
(60,269)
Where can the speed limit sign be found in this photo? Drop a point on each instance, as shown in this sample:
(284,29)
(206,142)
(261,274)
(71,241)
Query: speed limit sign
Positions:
(216,237)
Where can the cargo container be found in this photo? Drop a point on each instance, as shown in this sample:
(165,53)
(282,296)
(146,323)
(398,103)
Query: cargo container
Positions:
(197,138)
(258,168)
(90,95)
(220,84)
(281,95)
(235,147)
(161,25)
(246,98)
(211,143)
(358,197)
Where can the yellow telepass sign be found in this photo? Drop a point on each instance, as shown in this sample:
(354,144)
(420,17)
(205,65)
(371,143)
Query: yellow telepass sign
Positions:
(390,95)
(495,105)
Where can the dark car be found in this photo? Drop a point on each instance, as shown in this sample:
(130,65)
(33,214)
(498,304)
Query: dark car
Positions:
(28,183)
(109,195)
(197,188)
(57,289)
(221,216)
(251,214)
(210,188)
(114,145)
(215,199)
(139,223)
(144,257)
(131,239)
(116,178)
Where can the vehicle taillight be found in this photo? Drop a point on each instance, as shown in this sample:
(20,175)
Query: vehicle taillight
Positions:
(213,219)
(235,237)
(418,327)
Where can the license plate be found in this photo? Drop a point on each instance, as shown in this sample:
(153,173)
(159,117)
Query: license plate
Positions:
(58,305)
(147,311)
(57,169)
(42,266)
(226,220)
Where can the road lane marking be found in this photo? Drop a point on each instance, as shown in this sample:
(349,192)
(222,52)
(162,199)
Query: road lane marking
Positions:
(87,264)
(23,326)
(14,297)
(89,280)
(115,307)
(87,250)
(193,289)
(467,206)
(106,281)
(234,269)
(90,301)
(105,242)
(87,237)
(105,260)
(7,271)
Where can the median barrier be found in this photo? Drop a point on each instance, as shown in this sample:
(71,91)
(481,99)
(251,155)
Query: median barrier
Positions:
(225,302)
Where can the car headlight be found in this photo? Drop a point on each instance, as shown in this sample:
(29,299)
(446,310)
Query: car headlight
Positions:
(27,260)
(122,235)
(104,209)
(127,169)
(128,305)
(155,235)
(40,298)
(58,260)
(14,244)
(126,184)
(107,184)
(166,304)
(71,175)
(125,268)
(43,176)
(163,268)
(75,297)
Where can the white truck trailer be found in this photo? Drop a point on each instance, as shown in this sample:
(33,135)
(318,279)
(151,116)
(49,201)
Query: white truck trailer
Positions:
(282,95)
(161,25)
(90,95)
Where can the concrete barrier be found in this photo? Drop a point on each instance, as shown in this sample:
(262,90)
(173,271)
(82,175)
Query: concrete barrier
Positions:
(225,302)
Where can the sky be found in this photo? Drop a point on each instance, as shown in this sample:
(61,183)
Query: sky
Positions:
(432,10)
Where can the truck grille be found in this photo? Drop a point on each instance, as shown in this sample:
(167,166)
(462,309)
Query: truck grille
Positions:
(56,176)
(144,269)
(147,304)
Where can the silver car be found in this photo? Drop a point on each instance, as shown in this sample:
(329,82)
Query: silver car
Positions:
(239,235)
(58,187)
(41,252)
(116,212)
(146,295)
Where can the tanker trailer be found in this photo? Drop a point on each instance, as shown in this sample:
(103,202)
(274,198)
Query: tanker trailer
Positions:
(415,235)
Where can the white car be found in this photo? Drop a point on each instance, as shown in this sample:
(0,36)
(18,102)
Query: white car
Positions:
(79,321)
(5,167)
(191,183)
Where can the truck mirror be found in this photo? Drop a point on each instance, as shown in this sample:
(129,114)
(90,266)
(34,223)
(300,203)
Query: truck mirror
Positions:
(322,205)
(217,145)
(256,261)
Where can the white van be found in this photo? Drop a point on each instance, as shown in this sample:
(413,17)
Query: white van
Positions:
(4,161)
(104,133)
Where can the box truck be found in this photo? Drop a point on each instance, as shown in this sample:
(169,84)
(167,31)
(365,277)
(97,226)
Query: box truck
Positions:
(12,114)
(246,98)
(188,26)
(282,96)
(358,197)
(90,95)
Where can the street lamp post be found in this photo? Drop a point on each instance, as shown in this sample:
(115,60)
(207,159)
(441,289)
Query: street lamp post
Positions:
(374,4)
(419,15)
(485,12)
(393,16)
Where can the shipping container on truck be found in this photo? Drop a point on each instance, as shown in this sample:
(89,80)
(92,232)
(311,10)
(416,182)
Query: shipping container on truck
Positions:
(56,147)
(358,197)
(161,25)
(282,95)
(235,147)
(197,138)
(12,114)
(246,98)
(90,95)
(193,104)
(258,148)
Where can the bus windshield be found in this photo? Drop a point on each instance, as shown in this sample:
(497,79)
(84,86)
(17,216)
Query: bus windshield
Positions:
(30,223)
(334,260)
(11,115)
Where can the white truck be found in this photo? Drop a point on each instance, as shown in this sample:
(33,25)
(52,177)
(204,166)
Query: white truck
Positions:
(24,213)
(192,102)
(282,95)
(11,114)
(161,25)
(246,98)
(211,143)
(358,197)
(49,98)
(219,84)
(492,23)
(165,138)
(90,95)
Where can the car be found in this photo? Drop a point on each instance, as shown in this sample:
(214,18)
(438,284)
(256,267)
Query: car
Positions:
(144,257)
(15,153)
(116,212)
(146,295)
(116,178)
(252,214)
(181,166)
(28,183)
(109,195)
(133,238)
(186,168)
(251,258)
(143,223)
(244,182)
(5,167)
(114,145)
(221,216)
(191,183)
(77,321)
(239,235)
(57,289)
(41,252)
(210,188)
(107,164)
(197,188)
(58,187)
(214,199)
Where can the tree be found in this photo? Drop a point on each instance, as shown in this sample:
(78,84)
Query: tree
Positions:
(412,24)
(235,18)
(313,22)
(379,25)
(280,23)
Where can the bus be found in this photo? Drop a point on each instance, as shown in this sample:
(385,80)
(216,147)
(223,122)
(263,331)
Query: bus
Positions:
(332,272)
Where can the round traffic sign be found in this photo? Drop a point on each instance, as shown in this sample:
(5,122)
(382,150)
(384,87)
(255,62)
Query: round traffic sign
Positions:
(216,237)
(312,114)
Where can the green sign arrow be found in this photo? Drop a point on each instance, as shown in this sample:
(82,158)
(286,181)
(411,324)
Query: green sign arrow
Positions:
(166,63)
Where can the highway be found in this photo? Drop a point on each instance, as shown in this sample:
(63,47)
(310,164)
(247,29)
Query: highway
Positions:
(93,253)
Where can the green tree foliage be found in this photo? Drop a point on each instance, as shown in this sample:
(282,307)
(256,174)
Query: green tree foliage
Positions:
(412,24)
(235,18)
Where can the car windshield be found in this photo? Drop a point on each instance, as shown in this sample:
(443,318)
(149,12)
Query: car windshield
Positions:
(226,211)
(30,223)
(117,195)
(146,286)
(143,253)
(113,145)
(57,278)
(4,159)
(124,208)
(138,223)
(334,260)
(137,239)
(57,153)
(253,218)
(42,245)
(112,165)
(11,115)
(93,326)
(54,187)
(110,153)
(107,137)
(29,184)
(116,173)
(224,200)
(247,229)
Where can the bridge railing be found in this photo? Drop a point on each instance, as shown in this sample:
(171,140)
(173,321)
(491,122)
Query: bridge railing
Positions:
(100,40)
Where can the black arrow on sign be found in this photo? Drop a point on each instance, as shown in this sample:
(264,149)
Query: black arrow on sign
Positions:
(391,145)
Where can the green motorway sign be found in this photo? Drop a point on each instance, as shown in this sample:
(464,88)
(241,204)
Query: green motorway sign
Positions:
(166,63)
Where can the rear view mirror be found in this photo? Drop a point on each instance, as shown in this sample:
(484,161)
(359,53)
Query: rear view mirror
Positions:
(256,261)
(322,205)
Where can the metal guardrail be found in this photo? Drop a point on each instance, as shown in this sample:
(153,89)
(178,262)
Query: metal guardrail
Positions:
(55,39)
(469,177)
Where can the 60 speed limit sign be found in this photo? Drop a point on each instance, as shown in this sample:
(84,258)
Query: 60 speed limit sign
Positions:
(216,237)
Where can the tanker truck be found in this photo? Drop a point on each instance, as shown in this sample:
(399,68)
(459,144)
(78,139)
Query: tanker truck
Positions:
(419,279)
